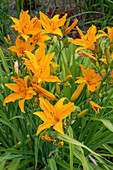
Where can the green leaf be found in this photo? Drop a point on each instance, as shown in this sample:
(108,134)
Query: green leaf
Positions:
(13,165)
(2,164)
(52,164)
(4,61)
(108,124)
(71,140)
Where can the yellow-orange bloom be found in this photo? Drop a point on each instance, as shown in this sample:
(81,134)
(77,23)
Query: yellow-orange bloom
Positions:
(92,79)
(87,41)
(52,25)
(26,26)
(95,106)
(22,46)
(22,91)
(39,39)
(40,66)
(53,115)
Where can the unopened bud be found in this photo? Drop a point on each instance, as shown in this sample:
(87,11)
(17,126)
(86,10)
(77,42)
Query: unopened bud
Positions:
(88,94)
(107,53)
(52,69)
(8,37)
(78,91)
(82,113)
(6,40)
(60,144)
(57,87)
(36,100)
(69,77)
(68,71)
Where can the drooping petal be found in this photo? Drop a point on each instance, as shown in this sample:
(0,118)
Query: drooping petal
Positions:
(44,126)
(58,127)
(21,105)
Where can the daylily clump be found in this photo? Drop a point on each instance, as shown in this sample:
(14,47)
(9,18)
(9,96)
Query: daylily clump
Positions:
(44,71)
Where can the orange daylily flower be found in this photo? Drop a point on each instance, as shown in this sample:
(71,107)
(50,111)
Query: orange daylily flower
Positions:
(40,66)
(26,26)
(92,79)
(53,115)
(39,39)
(22,91)
(68,29)
(95,106)
(52,25)
(42,92)
(21,46)
(87,41)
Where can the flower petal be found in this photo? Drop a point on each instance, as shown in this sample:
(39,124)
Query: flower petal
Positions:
(43,126)
(58,127)
(21,105)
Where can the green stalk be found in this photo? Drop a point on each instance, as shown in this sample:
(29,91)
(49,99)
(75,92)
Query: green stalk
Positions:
(18,8)
(70,131)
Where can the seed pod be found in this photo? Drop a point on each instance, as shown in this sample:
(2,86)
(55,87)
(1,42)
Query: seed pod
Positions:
(78,91)
(82,113)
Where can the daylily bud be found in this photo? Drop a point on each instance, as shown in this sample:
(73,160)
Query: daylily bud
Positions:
(36,100)
(107,53)
(57,87)
(19,73)
(68,71)
(8,37)
(6,40)
(52,69)
(60,144)
(97,47)
(69,77)
(5,80)
(88,94)
(66,84)
(78,91)
(16,66)
(82,113)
